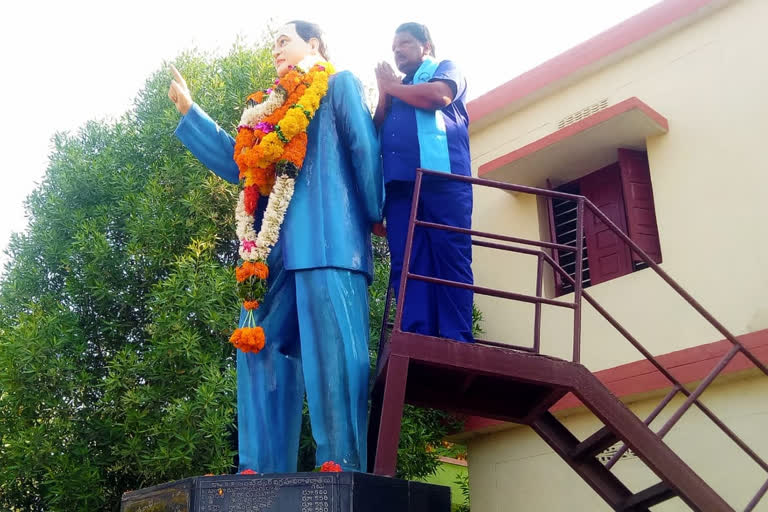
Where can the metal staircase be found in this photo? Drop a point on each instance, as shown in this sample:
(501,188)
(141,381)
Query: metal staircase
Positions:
(519,384)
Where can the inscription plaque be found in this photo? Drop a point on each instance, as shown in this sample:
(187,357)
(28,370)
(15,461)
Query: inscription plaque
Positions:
(309,493)
(297,492)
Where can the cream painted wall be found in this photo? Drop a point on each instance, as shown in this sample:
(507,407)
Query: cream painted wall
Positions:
(710,180)
(709,177)
(515,471)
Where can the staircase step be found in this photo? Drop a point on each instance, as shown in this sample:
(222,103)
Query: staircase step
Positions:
(651,496)
(605,483)
(595,444)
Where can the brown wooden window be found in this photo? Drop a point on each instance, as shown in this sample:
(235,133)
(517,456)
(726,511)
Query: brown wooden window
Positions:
(623,192)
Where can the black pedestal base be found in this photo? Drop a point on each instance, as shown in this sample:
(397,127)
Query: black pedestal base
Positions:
(296,492)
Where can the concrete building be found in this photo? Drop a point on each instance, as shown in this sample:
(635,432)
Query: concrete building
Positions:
(661,122)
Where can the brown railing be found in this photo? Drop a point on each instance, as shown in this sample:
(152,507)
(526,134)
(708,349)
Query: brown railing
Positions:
(692,397)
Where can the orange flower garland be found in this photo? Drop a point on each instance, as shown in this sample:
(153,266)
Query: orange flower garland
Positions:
(269,151)
(249,268)
(248,339)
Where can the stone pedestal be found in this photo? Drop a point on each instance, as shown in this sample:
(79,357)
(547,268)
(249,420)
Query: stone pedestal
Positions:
(296,492)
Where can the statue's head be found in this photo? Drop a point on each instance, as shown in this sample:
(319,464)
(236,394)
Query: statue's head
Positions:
(296,41)
(412,44)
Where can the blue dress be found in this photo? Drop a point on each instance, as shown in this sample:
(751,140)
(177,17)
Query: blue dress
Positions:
(315,315)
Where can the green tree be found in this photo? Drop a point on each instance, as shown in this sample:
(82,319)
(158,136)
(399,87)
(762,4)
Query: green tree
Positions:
(117,302)
(463,483)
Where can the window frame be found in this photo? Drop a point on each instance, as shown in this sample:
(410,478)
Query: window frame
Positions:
(627,199)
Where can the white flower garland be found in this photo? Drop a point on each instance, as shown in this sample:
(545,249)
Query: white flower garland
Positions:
(245,231)
(254,114)
(279,199)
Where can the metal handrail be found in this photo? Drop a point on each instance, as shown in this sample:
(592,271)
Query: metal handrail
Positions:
(692,398)
(677,384)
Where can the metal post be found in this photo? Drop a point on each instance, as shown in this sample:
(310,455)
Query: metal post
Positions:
(537,307)
(407,255)
(578,285)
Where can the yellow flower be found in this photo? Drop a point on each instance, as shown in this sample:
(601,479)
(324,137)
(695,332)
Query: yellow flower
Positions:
(289,127)
(320,82)
(272,148)
(250,179)
(312,102)
(293,123)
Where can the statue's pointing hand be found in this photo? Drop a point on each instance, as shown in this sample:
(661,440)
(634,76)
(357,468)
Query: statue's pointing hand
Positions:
(179,92)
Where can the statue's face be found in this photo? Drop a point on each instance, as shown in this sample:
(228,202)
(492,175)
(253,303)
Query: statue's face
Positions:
(290,49)
(408,51)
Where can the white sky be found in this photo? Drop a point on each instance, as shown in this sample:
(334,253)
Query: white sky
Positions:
(67,61)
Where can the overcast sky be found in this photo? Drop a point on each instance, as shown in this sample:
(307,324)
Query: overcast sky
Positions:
(69,61)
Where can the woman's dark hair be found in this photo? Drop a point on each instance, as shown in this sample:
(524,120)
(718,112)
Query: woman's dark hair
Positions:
(420,32)
(307,31)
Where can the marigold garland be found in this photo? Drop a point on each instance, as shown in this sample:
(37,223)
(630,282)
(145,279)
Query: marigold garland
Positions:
(270,148)
(248,339)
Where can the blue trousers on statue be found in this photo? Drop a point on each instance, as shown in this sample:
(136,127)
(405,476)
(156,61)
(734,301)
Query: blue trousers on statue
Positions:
(434,310)
(316,327)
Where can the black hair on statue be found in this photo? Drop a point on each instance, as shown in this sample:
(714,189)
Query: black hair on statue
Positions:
(307,31)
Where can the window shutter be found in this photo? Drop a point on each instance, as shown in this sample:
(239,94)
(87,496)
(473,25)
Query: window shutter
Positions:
(638,197)
(609,256)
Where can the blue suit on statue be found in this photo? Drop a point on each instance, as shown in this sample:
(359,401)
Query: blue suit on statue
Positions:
(315,315)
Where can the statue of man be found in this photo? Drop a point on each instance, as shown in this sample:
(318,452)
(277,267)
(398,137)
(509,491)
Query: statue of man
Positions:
(314,315)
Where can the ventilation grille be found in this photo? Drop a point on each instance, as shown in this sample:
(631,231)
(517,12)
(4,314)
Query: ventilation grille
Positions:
(608,454)
(564,212)
(583,113)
